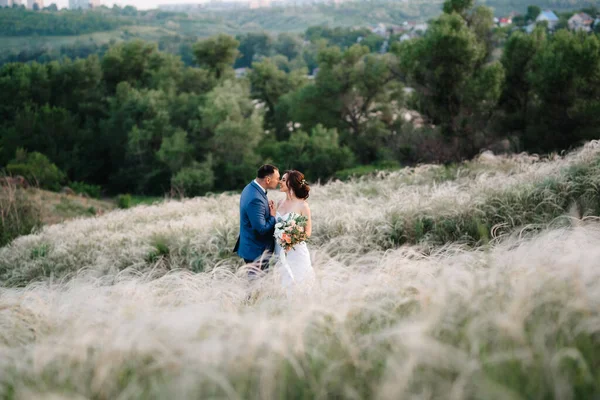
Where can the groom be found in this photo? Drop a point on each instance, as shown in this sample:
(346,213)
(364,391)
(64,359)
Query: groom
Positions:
(257,220)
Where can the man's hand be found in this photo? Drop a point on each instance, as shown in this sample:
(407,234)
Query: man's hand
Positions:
(272,208)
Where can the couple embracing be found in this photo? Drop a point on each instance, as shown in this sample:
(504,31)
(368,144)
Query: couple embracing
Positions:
(267,228)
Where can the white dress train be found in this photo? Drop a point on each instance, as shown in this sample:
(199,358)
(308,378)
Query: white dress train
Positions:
(295,267)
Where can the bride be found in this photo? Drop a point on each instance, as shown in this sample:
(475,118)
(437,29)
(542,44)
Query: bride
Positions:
(295,265)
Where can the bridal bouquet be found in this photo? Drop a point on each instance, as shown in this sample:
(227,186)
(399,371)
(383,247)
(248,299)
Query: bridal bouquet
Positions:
(290,231)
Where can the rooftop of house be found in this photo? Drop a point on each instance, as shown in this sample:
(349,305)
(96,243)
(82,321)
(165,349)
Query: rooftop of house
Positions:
(547,15)
(583,16)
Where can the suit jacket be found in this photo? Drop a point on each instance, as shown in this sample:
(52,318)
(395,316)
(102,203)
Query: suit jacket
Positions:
(257,225)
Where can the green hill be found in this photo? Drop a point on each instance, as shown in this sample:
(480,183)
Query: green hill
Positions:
(28,35)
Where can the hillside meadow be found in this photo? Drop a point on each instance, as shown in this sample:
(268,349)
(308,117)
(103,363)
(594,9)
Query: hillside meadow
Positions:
(16,43)
(478,280)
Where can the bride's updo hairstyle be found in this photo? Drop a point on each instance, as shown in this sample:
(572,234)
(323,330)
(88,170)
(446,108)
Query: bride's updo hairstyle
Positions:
(295,182)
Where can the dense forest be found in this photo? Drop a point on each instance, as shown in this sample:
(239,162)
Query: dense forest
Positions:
(142,120)
(18,21)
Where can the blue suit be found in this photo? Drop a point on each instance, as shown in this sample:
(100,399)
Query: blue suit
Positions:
(257,225)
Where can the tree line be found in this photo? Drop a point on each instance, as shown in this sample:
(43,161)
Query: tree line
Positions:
(140,120)
(18,21)
(289,50)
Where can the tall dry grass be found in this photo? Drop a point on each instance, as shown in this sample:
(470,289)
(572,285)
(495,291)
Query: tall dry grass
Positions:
(19,215)
(428,206)
(424,290)
(520,319)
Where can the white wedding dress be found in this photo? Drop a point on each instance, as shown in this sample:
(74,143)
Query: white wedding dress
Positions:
(295,267)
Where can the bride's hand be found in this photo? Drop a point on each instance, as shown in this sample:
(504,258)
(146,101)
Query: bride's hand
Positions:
(272,208)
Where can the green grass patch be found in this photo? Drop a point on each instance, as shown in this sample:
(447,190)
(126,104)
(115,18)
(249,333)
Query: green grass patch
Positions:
(145,200)
(160,249)
(87,189)
(68,208)
(124,201)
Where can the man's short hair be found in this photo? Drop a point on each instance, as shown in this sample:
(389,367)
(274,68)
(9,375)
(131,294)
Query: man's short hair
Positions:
(266,170)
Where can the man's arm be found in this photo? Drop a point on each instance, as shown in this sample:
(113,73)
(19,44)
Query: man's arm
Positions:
(256,214)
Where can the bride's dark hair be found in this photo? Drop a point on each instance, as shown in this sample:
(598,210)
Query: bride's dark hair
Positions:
(295,182)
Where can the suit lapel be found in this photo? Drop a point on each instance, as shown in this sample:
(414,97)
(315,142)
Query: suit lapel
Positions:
(259,189)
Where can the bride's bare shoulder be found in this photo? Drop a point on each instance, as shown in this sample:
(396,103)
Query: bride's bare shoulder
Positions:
(305,207)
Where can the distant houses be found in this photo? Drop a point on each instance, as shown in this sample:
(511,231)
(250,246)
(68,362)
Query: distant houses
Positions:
(408,30)
(581,22)
(548,16)
(379,29)
(578,22)
(502,22)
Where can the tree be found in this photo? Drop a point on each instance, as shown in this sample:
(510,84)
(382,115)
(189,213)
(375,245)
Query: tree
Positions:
(128,62)
(349,93)
(194,180)
(78,86)
(593,11)
(175,151)
(318,154)
(310,54)
(373,42)
(235,127)
(455,89)
(184,111)
(52,131)
(565,83)
(479,19)
(53,109)
(37,169)
(252,46)
(532,13)
(138,123)
(519,20)
(217,54)
(18,21)
(269,84)
(481,22)
(130,11)
(288,45)
(339,36)
(20,85)
(459,7)
(517,58)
